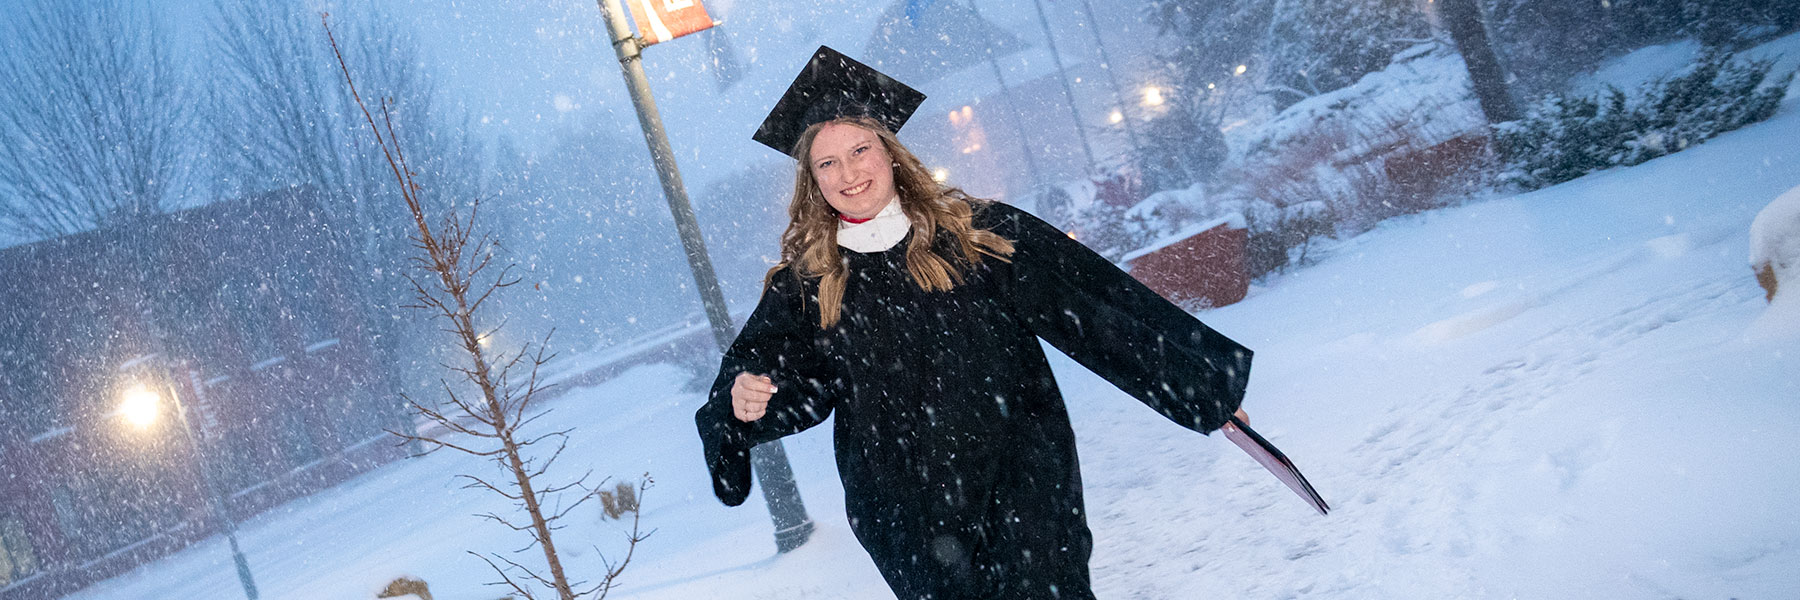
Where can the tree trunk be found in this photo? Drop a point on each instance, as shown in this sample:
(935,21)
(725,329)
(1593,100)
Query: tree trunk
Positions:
(1463,19)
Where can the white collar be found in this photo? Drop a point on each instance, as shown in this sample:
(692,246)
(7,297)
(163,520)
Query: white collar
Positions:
(887,228)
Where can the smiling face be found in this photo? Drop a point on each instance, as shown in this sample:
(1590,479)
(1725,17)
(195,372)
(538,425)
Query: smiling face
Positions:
(853,170)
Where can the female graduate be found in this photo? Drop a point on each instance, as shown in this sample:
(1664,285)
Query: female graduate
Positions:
(913,312)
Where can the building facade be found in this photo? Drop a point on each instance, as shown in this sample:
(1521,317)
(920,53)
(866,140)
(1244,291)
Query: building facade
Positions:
(251,312)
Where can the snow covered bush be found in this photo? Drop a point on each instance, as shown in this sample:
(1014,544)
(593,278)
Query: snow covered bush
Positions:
(1096,210)
(1102,227)
(1775,244)
(1283,236)
(404,587)
(1363,149)
(620,500)
(1423,97)
(1564,137)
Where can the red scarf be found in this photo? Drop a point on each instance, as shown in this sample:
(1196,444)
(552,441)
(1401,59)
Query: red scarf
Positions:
(852,220)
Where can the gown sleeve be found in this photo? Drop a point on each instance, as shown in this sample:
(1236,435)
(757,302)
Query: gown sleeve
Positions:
(1121,330)
(777,341)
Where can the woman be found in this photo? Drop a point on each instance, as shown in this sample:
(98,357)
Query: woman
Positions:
(913,312)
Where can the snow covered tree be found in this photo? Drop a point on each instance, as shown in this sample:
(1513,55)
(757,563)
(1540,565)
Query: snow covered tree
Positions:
(1713,22)
(1225,53)
(1209,40)
(1317,46)
(1300,48)
(279,119)
(93,118)
(1178,151)
(1545,42)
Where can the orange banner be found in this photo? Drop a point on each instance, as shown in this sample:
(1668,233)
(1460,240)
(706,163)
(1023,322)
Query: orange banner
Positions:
(664,20)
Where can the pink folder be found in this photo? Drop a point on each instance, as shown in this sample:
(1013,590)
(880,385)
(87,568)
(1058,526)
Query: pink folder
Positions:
(1272,459)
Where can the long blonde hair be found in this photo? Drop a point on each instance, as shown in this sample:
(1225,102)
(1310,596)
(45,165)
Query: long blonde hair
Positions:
(810,246)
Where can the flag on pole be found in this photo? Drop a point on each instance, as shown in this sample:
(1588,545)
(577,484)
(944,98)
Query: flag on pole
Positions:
(663,20)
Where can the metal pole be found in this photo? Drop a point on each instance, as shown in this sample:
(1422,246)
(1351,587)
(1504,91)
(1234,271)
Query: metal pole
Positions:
(769,461)
(1068,91)
(142,237)
(1106,65)
(214,497)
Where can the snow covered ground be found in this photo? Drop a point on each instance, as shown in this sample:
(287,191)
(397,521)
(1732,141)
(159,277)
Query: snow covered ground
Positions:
(1565,394)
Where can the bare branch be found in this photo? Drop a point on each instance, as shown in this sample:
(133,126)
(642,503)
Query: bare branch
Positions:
(632,539)
(496,409)
(504,579)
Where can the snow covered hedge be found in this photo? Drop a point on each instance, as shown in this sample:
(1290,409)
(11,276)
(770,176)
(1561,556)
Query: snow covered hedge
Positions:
(1564,137)
(1327,164)
(1421,98)
(1775,244)
(1113,229)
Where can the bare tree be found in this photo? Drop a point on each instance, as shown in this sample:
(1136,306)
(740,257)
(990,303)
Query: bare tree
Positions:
(280,117)
(92,118)
(459,279)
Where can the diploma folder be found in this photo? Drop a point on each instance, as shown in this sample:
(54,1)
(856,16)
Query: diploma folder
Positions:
(1272,459)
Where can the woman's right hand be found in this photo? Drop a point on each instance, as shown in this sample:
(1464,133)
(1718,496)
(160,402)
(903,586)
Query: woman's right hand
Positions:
(750,396)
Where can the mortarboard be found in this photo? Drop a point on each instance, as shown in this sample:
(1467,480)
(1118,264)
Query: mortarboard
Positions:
(833,85)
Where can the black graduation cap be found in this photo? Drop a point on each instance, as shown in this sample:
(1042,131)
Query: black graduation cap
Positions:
(833,85)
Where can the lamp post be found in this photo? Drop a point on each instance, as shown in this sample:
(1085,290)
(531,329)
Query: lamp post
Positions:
(140,404)
(769,460)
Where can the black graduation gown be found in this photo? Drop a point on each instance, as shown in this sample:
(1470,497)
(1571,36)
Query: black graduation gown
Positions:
(958,463)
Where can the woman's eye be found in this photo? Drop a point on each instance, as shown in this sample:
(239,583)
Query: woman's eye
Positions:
(825,164)
(860,150)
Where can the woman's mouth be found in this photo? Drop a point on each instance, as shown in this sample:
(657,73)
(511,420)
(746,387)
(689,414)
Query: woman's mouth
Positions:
(858,189)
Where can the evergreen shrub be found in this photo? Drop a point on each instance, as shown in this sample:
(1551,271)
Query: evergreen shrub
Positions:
(1564,137)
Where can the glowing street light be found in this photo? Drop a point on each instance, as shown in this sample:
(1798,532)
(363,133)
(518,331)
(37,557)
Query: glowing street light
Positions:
(140,406)
(1115,117)
(1240,70)
(1153,96)
(940,174)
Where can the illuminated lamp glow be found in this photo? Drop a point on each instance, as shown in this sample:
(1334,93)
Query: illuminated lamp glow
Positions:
(140,406)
